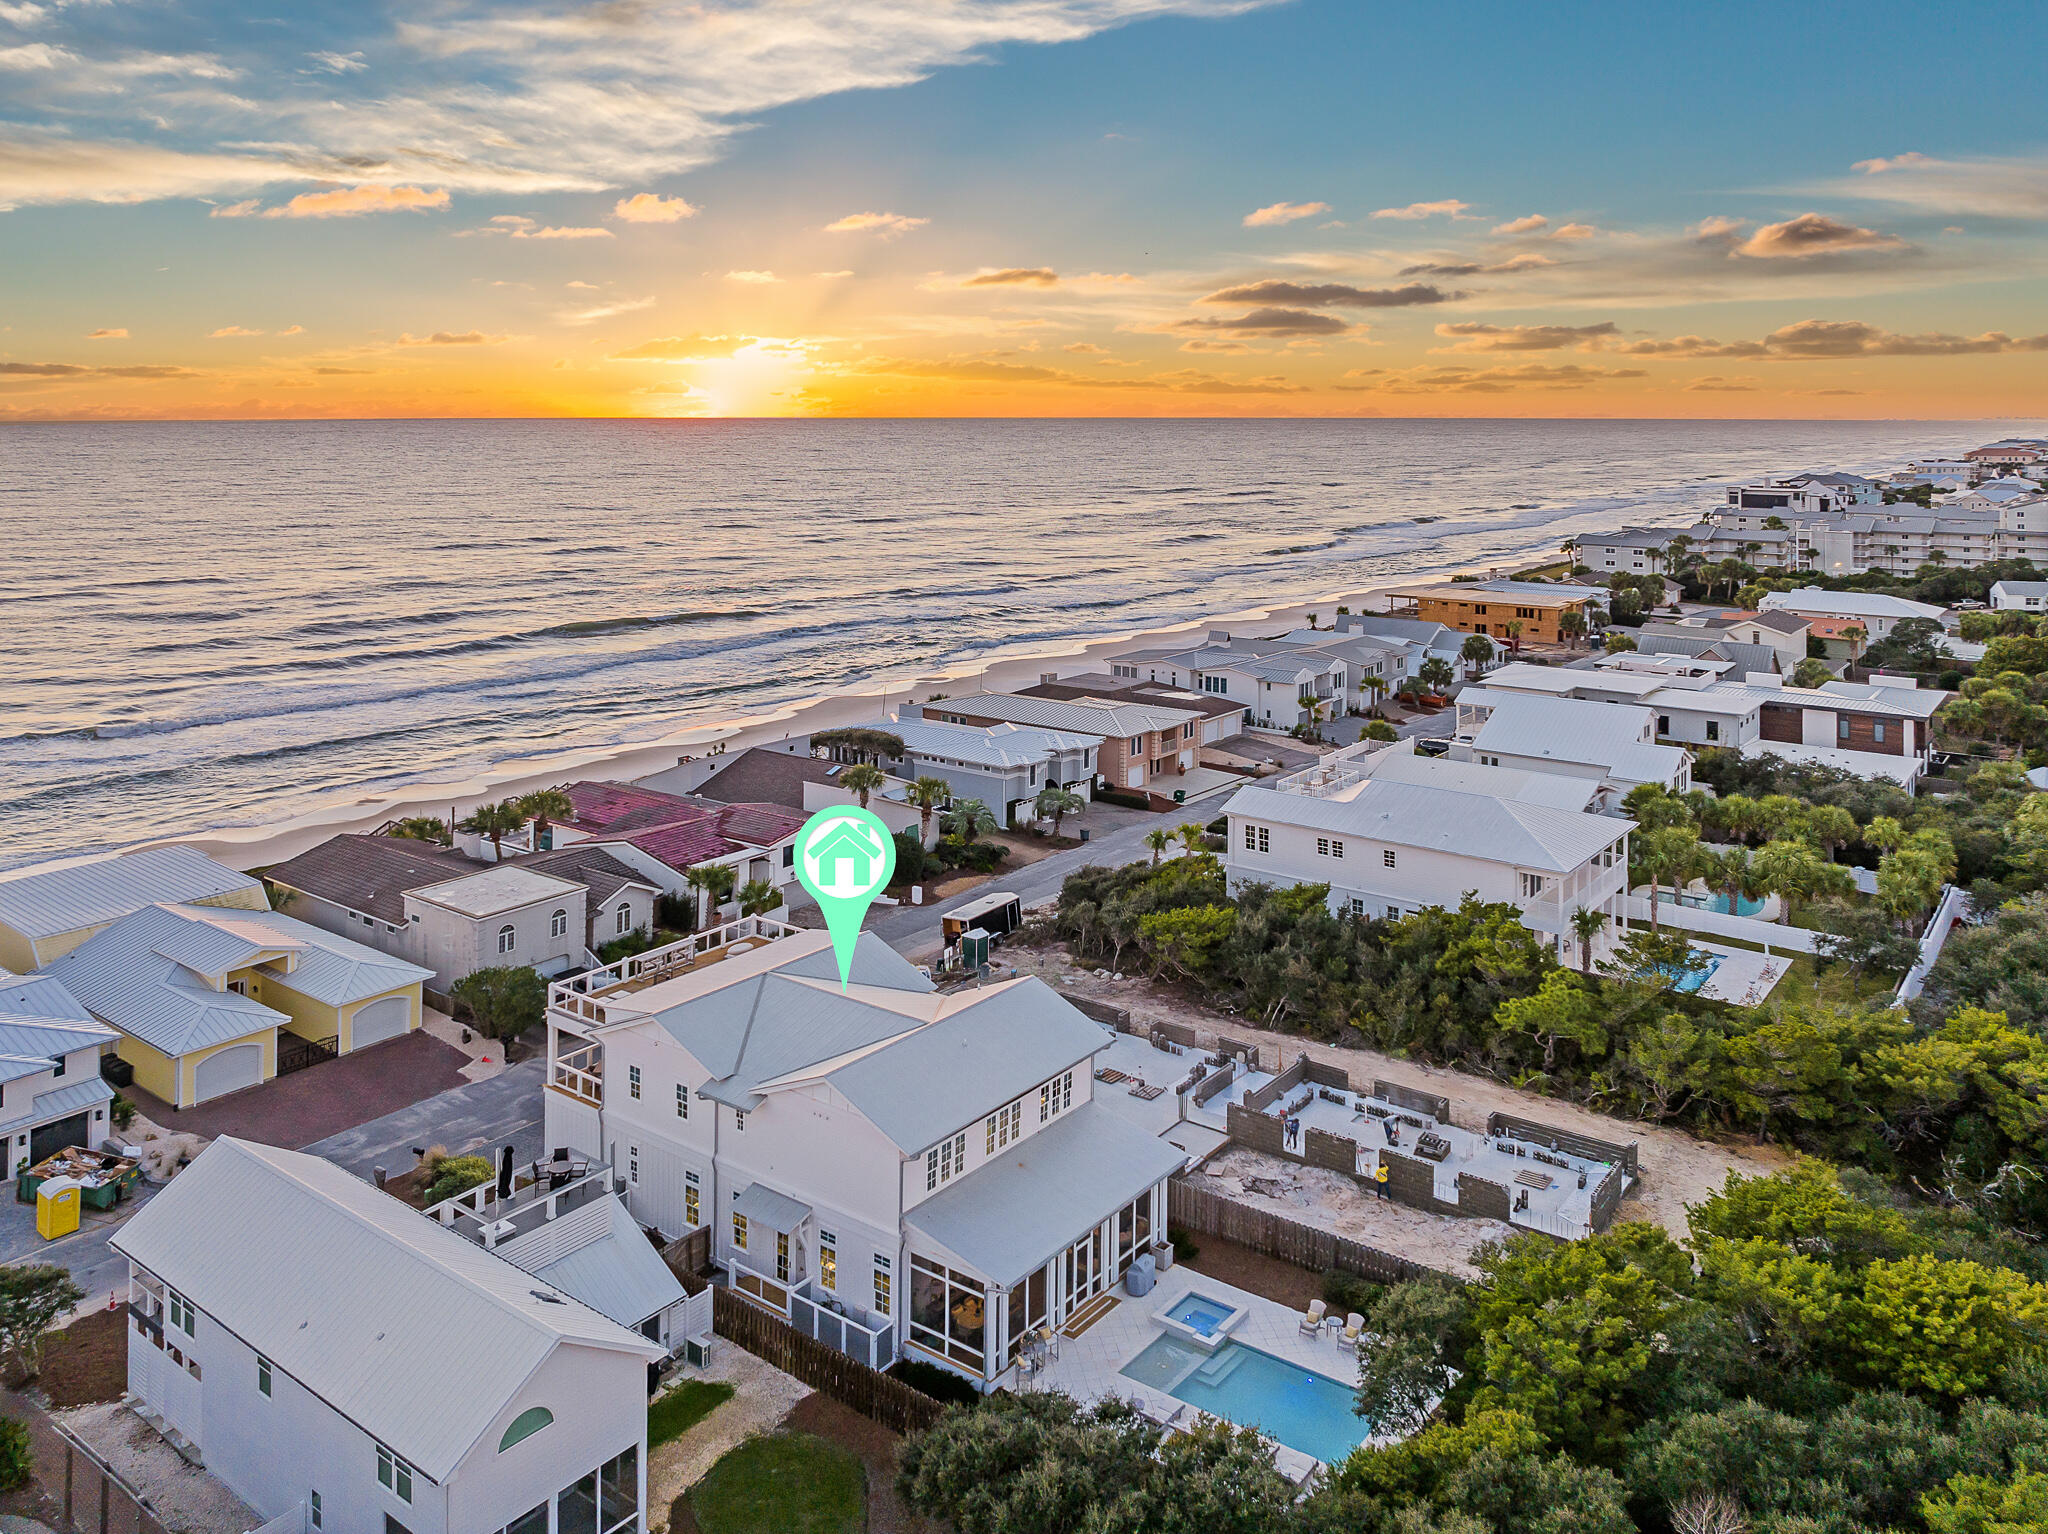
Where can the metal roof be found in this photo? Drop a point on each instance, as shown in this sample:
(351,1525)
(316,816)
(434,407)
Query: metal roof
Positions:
(1558,729)
(59,1102)
(984,745)
(1559,793)
(778,1211)
(1081,717)
(1848,604)
(403,1327)
(42,997)
(1470,825)
(60,900)
(609,1265)
(1011,1215)
(996,1044)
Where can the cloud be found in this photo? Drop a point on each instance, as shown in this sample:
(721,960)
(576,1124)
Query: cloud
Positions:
(1715,384)
(1525,225)
(831,275)
(1810,340)
(563,232)
(293,330)
(1276,213)
(1000,371)
(755,277)
(598,312)
(231,331)
(1329,295)
(1448,207)
(1014,276)
(1990,187)
(1527,261)
(342,202)
(691,348)
(1573,232)
(1496,380)
(1227,348)
(451,338)
(888,225)
(337,63)
(1472,336)
(1717,227)
(79,370)
(1267,322)
(333,372)
(649,208)
(1813,234)
(107,335)
(1085,349)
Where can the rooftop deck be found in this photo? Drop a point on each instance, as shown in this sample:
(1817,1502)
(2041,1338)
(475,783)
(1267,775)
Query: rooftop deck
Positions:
(583,996)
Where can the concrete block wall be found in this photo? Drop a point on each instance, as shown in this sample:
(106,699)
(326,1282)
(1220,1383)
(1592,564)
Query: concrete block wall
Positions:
(1334,1153)
(1481,1199)
(1566,1140)
(1435,1105)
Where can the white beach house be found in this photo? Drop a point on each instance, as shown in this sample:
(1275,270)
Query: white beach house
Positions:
(51,1091)
(896,1171)
(336,1357)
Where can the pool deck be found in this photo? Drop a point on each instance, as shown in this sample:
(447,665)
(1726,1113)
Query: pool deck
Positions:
(1089,1366)
(1743,976)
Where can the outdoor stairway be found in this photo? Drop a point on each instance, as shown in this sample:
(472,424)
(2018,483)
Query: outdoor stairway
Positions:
(187,1450)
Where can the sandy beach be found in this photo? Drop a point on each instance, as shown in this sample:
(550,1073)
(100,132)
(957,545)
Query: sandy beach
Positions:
(259,846)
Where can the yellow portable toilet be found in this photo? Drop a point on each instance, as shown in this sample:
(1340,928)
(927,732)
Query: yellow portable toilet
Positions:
(57,1207)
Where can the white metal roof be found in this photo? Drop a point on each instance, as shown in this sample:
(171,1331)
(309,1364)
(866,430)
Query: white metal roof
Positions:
(600,1255)
(402,1326)
(1559,793)
(1078,716)
(778,1211)
(41,997)
(1479,826)
(58,900)
(1848,604)
(2020,588)
(1558,729)
(506,887)
(59,1102)
(1013,1213)
(984,745)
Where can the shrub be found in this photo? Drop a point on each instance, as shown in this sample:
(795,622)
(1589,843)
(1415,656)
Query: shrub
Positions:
(1184,1248)
(1345,1293)
(122,1111)
(503,1001)
(939,1384)
(448,1175)
(17,1461)
(913,862)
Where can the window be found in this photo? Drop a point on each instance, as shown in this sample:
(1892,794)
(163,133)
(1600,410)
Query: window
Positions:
(533,1521)
(1004,1125)
(558,924)
(948,1313)
(181,1311)
(1393,913)
(505,939)
(263,1375)
(739,1230)
(1137,745)
(1713,729)
(394,1474)
(828,1259)
(739,1120)
(632,1166)
(1387,859)
(313,1509)
(633,1082)
(1357,906)
(1329,847)
(525,1425)
(1841,727)
(1663,724)
(1532,884)
(1056,1096)
(1877,734)
(692,1200)
(944,1159)
(682,1101)
(625,924)
(782,1256)
(1257,839)
(618,1492)
(57,1061)
(884,1285)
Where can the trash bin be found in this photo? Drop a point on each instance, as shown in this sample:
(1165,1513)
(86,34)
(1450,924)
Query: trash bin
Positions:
(1084,833)
(57,1207)
(1180,796)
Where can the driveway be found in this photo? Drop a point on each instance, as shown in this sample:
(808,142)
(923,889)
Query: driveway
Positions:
(504,1110)
(324,1099)
(94,1265)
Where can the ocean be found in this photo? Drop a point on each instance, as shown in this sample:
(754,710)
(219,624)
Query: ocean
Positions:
(213,625)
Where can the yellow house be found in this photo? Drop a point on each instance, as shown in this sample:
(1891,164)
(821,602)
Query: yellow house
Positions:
(209,1001)
(46,913)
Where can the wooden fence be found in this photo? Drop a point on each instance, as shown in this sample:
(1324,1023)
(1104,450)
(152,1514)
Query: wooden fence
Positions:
(874,1395)
(1274,1235)
(91,1498)
(689,1258)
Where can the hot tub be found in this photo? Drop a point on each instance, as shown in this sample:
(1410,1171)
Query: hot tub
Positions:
(1200,1319)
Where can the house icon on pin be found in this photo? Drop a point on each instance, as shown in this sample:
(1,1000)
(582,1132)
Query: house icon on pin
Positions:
(844,859)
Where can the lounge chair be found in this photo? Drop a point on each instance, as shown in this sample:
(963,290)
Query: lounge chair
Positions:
(1353,1325)
(1313,1320)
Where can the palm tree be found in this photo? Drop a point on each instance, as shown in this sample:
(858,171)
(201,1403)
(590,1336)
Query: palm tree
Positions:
(968,819)
(278,895)
(758,897)
(1193,836)
(1313,618)
(1158,839)
(1665,855)
(1476,651)
(928,794)
(714,882)
(1059,803)
(1811,672)
(862,779)
(1572,624)
(1435,673)
(1377,685)
(421,828)
(545,806)
(497,821)
(1617,641)
(1513,629)
(1586,925)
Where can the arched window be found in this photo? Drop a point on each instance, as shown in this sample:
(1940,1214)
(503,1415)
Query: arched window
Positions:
(558,925)
(525,1425)
(625,917)
(505,938)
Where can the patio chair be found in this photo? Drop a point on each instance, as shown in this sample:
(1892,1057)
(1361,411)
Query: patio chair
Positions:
(1312,1321)
(1354,1324)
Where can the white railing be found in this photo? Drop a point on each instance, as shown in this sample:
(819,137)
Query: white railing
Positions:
(580,1073)
(292,1521)
(474,1209)
(874,1346)
(1953,906)
(577,995)
(770,1293)
(1779,936)
(1549,1224)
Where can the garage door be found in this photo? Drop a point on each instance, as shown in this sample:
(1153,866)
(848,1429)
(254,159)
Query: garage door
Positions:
(231,1069)
(380,1020)
(48,1139)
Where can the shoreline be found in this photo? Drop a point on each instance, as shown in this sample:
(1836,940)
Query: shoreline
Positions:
(260,845)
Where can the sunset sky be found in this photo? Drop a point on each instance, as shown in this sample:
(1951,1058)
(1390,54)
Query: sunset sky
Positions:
(234,208)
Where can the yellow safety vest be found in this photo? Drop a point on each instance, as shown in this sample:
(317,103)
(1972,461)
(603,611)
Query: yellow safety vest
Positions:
(1379,1172)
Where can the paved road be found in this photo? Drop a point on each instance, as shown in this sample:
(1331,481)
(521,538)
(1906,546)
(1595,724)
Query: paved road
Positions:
(504,1110)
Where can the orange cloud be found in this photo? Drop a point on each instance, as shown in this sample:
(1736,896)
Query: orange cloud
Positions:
(887,225)
(342,202)
(1448,207)
(107,335)
(649,208)
(1283,213)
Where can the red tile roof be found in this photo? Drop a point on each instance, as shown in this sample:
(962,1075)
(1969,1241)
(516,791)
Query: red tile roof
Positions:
(678,829)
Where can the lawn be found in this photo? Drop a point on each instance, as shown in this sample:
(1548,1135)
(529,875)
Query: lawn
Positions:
(683,1408)
(783,1483)
(1808,983)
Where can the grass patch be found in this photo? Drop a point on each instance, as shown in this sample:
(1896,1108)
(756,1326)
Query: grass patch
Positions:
(682,1408)
(1808,983)
(783,1483)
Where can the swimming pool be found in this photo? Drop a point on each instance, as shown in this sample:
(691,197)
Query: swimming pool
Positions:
(1697,971)
(1306,1411)
(1203,1316)
(1744,906)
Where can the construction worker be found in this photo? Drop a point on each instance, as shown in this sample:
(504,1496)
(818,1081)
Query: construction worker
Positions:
(1379,1177)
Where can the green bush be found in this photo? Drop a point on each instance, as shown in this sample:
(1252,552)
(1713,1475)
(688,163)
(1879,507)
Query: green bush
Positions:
(1345,1293)
(913,862)
(939,1384)
(503,1001)
(1184,1248)
(121,1111)
(979,857)
(447,1176)
(17,1461)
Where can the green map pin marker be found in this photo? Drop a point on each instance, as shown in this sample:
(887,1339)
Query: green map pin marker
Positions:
(844,857)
